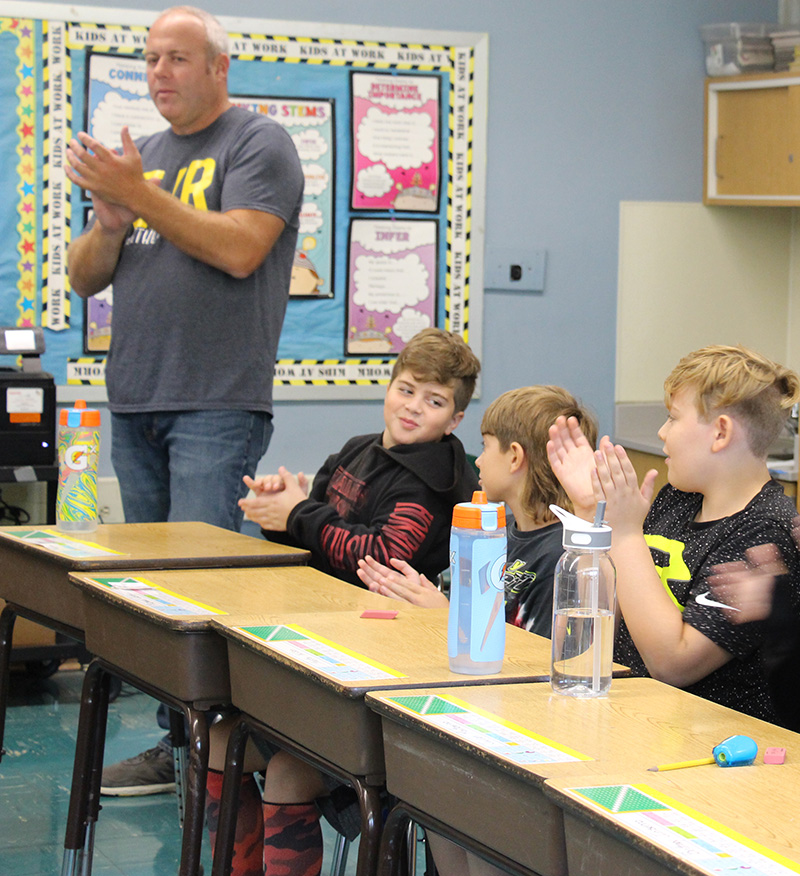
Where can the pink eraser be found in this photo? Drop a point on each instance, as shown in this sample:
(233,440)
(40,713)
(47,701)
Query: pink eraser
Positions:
(774,755)
(381,614)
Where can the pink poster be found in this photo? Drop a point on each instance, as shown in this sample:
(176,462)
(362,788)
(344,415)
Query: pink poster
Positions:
(395,142)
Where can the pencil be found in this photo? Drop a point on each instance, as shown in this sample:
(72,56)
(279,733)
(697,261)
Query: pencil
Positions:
(681,765)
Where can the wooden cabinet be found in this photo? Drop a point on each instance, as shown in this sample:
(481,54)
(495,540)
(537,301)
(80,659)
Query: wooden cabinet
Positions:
(752,140)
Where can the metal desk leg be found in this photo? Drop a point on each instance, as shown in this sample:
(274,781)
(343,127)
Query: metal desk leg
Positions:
(85,794)
(369,799)
(394,862)
(177,736)
(84,800)
(229,803)
(395,831)
(7,618)
(196,775)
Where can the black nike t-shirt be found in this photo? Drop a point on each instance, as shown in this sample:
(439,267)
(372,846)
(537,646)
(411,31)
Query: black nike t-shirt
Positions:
(685,553)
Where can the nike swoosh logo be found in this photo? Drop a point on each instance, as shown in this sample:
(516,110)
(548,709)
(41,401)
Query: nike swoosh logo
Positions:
(705,599)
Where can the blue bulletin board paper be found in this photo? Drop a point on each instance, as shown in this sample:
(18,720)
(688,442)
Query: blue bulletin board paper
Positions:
(72,68)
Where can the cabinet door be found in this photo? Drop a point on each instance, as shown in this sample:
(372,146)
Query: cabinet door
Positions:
(753,142)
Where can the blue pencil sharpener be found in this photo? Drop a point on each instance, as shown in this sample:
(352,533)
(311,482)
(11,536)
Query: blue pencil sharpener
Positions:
(735,751)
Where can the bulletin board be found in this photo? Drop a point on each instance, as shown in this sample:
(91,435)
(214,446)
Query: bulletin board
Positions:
(390,126)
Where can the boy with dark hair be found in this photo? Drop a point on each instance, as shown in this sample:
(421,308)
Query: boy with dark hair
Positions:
(726,405)
(386,494)
(389,494)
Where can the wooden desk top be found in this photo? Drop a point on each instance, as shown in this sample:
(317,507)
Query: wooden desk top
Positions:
(758,802)
(153,546)
(457,774)
(640,724)
(413,647)
(163,634)
(220,593)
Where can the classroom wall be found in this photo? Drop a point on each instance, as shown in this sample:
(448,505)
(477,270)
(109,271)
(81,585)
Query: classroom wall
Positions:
(591,103)
(691,275)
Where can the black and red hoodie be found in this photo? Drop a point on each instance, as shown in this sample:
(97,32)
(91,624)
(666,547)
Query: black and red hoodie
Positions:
(396,502)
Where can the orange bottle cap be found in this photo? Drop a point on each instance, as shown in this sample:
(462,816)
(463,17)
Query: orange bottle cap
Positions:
(470,515)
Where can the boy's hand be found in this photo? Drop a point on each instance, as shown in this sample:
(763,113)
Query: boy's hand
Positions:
(275,498)
(615,480)
(572,460)
(746,586)
(403,582)
(273,483)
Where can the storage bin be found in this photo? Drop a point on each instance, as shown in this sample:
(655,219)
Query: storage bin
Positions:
(734,47)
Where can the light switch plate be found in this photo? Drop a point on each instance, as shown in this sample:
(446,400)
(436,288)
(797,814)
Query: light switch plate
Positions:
(511,269)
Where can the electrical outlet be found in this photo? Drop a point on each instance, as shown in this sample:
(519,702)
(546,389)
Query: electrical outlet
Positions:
(514,270)
(109,501)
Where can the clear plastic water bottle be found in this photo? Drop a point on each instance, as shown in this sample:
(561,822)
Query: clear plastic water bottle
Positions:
(78,446)
(584,602)
(476,630)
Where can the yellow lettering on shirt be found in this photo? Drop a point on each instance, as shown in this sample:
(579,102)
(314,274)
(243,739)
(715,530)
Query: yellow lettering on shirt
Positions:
(198,177)
(190,184)
(675,569)
(148,174)
(178,180)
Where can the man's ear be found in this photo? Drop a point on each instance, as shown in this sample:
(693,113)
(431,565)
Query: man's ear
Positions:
(724,427)
(517,460)
(457,418)
(222,64)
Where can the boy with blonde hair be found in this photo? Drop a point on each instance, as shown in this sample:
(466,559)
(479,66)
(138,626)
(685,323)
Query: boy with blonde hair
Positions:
(726,406)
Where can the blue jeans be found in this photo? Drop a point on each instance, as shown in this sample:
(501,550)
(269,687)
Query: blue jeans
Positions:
(187,465)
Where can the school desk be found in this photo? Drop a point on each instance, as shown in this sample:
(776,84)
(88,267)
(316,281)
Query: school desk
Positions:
(313,674)
(35,563)
(153,629)
(699,820)
(472,763)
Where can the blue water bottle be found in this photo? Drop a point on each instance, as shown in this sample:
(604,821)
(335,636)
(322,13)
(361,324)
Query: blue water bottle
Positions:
(476,631)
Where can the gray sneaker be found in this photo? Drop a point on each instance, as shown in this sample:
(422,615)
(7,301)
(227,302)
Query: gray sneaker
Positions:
(151,772)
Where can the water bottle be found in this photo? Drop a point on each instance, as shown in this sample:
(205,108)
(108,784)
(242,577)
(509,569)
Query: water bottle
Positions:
(476,629)
(584,602)
(78,446)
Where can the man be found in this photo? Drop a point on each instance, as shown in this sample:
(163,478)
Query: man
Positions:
(196,227)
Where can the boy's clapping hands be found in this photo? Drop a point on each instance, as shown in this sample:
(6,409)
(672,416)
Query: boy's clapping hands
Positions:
(401,582)
(614,479)
(274,497)
(589,475)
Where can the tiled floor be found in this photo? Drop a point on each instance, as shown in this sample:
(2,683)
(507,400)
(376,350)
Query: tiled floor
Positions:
(135,837)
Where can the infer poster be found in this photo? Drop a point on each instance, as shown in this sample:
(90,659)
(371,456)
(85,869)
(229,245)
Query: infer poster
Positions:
(392,293)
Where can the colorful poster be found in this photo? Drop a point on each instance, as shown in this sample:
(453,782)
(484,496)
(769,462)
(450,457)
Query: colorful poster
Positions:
(319,654)
(395,142)
(59,544)
(705,845)
(392,287)
(117,96)
(147,595)
(311,124)
(426,91)
(486,730)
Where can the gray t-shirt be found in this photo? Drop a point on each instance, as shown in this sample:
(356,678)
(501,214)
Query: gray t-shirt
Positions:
(187,336)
